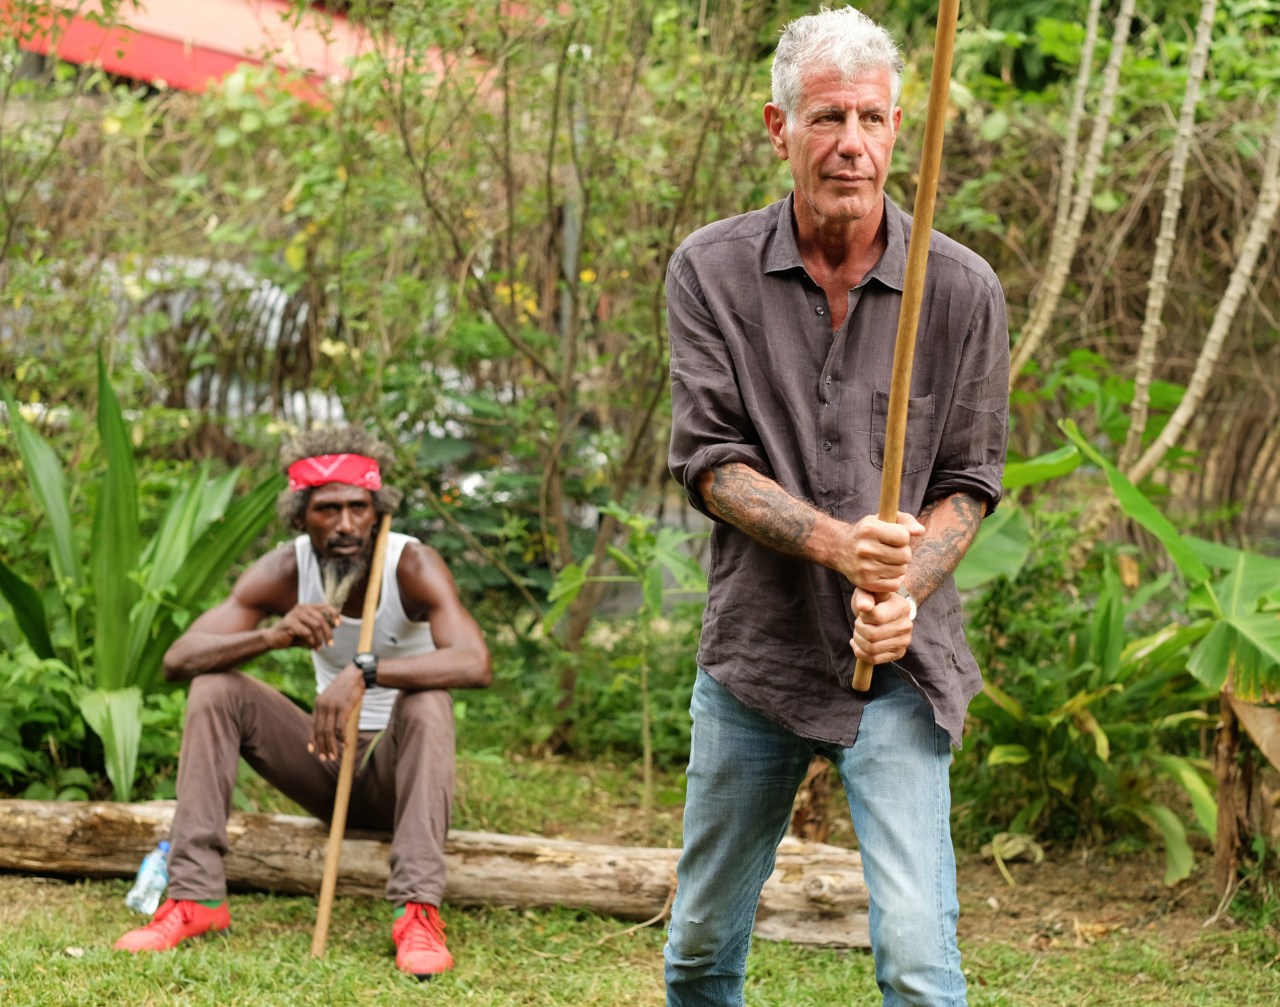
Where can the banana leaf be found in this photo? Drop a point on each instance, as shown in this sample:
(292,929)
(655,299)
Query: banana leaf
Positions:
(1135,504)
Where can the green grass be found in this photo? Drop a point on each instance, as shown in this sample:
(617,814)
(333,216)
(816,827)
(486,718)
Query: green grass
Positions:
(56,936)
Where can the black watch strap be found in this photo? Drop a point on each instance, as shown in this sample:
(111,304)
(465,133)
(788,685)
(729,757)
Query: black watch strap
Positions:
(367,662)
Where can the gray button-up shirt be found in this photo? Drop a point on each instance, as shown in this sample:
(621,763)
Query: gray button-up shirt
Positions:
(758,377)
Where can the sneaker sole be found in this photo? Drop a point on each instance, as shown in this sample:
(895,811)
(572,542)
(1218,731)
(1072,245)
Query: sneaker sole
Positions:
(207,935)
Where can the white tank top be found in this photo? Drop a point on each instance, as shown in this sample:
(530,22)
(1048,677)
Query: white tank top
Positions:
(394,633)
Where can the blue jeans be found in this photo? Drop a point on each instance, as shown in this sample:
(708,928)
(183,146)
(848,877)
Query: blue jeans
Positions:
(744,771)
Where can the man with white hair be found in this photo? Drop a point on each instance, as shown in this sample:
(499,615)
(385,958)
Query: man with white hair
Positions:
(783,324)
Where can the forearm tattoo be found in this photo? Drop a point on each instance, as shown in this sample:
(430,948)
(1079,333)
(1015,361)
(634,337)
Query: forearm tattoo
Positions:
(950,525)
(761,508)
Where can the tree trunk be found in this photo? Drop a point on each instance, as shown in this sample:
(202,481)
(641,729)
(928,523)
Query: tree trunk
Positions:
(1255,240)
(1066,241)
(1158,285)
(811,816)
(1227,842)
(815,896)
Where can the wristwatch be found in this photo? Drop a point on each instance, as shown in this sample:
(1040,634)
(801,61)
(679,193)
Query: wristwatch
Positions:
(368,663)
(911,603)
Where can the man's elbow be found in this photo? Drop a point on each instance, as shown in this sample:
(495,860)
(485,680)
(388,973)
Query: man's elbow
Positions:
(482,673)
(176,665)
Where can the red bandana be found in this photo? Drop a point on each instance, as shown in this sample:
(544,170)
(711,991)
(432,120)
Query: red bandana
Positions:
(354,470)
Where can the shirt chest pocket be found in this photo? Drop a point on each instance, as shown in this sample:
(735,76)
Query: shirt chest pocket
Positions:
(917,454)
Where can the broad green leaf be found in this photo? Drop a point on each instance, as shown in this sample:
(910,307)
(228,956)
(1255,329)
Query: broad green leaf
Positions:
(1178,859)
(1166,647)
(115,544)
(49,487)
(1257,654)
(1008,755)
(570,580)
(1250,578)
(163,556)
(1213,554)
(1000,549)
(1194,786)
(222,542)
(1211,660)
(564,592)
(116,718)
(1042,468)
(1140,509)
(28,611)
(218,546)
(192,509)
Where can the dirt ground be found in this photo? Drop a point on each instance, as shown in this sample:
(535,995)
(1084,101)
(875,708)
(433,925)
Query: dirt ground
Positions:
(1076,899)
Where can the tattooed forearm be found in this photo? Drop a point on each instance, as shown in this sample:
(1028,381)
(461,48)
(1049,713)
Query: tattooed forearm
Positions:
(760,507)
(950,525)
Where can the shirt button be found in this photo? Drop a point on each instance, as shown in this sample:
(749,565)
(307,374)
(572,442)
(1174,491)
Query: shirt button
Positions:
(827,381)
(819,310)
(826,445)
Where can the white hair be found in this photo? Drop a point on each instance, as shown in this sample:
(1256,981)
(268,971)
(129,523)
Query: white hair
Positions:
(844,40)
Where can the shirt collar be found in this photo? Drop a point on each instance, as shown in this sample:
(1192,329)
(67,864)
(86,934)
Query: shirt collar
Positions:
(784,254)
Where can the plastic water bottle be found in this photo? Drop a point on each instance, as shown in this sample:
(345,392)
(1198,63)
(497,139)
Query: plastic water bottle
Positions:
(153,879)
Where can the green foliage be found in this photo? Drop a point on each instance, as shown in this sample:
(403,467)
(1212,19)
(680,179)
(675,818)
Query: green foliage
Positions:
(114,623)
(1083,736)
(1080,733)
(1240,648)
(40,724)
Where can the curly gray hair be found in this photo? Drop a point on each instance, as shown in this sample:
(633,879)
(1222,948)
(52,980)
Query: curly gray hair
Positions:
(845,40)
(290,505)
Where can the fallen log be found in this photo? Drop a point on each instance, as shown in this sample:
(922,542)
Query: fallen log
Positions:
(816,895)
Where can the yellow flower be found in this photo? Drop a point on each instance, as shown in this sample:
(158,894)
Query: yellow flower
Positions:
(587,276)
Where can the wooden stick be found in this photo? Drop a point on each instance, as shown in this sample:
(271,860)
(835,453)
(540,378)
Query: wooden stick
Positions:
(913,285)
(350,740)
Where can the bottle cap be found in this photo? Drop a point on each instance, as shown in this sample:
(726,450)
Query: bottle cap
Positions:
(164,845)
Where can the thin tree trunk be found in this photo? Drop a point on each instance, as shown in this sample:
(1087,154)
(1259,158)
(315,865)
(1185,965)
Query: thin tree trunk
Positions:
(1264,218)
(1071,151)
(1227,842)
(1065,242)
(1158,286)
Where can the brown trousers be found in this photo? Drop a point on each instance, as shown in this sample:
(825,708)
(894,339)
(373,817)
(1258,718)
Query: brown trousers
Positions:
(406,786)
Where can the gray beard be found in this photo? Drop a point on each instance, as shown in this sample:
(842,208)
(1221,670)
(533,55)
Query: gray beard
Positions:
(339,575)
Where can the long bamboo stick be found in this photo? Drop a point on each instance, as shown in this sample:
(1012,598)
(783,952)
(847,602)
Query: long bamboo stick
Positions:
(913,284)
(351,738)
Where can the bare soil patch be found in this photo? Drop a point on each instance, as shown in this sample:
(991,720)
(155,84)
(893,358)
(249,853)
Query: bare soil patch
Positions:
(1072,900)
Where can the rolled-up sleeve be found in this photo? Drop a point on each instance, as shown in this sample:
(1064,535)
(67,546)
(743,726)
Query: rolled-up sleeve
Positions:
(975,436)
(710,425)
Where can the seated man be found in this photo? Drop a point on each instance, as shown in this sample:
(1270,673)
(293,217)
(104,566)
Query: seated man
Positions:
(424,643)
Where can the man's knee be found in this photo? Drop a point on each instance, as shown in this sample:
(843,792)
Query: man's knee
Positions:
(217,691)
(431,709)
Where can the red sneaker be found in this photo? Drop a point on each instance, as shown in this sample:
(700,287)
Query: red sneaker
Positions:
(419,937)
(172,924)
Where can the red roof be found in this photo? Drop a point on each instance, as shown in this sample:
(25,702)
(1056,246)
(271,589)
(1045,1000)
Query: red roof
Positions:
(189,44)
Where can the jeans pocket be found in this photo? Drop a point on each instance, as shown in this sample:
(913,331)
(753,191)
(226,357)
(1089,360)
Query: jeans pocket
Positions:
(917,452)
